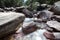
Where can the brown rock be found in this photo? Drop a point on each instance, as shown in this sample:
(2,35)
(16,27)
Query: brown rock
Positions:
(49,35)
(29,29)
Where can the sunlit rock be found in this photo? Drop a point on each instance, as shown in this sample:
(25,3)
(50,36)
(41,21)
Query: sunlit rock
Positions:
(54,24)
(10,22)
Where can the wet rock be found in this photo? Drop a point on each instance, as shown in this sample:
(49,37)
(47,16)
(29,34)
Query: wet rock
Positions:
(41,25)
(29,28)
(45,15)
(27,21)
(10,22)
(54,25)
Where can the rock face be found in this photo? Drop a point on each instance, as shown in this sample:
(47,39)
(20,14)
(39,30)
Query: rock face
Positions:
(54,24)
(56,8)
(10,22)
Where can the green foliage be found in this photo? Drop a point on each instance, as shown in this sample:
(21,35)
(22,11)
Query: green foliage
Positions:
(10,3)
(33,6)
(52,1)
(47,1)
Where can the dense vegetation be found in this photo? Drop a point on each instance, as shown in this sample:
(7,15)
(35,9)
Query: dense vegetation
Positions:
(9,3)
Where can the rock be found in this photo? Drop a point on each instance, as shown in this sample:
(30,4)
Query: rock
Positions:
(27,13)
(27,21)
(37,35)
(41,25)
(10,22)
(19,9)
(57,5)
(49,35)
(57,35)
(29,29)
(45,15)
(56,8)
(24,11)
(1,10)
(57,18)
(9,9)
(41,7)
(44,5)
(54,25)
(34,12)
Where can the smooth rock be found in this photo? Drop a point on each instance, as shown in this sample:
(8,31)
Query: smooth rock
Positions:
(54,24)
(56,8)
(57,35)
(10,22)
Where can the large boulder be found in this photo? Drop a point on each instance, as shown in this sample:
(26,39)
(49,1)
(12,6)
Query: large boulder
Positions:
(10,22)
(54,25)
(45,15)
(27,13)
(56,8)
